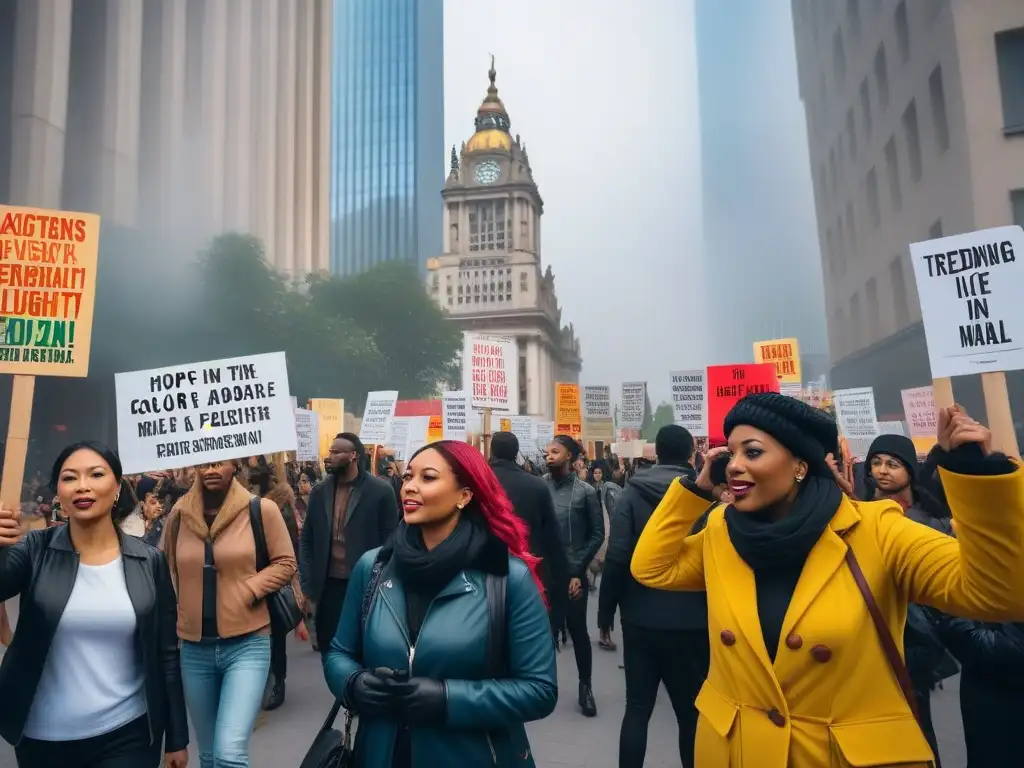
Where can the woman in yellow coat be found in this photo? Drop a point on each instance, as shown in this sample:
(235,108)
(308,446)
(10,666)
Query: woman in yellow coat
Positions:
(799,676)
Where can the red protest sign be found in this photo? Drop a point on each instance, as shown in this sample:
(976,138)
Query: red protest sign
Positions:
(729,383)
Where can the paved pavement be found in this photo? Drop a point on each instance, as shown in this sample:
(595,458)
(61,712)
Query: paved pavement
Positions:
(566,739)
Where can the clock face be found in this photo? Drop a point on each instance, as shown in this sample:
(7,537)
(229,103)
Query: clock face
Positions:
(487,172)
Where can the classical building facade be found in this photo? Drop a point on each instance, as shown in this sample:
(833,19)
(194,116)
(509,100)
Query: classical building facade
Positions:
(490,277)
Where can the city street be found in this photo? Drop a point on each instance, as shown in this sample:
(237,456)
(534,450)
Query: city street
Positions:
(566,739)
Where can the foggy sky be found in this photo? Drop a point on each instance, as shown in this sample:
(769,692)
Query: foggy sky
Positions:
(603,93)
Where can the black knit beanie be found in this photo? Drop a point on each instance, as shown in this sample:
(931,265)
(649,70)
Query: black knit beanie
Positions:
(897,446)
(808,433)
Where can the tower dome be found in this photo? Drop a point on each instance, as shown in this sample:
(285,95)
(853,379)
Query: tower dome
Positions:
(492,121)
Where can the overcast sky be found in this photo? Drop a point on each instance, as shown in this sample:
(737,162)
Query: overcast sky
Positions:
(603,93)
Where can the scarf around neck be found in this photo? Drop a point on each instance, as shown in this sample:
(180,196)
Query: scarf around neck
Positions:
(764,544)
(433,569)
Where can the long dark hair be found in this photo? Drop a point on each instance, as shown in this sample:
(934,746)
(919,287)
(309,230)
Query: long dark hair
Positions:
(125,500)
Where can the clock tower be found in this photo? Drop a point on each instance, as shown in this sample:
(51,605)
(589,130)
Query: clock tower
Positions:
(490,277)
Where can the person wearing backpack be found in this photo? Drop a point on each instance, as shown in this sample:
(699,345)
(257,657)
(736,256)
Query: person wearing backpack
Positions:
(420,654)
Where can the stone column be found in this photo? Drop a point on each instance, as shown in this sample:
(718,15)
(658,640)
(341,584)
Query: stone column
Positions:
(534,377)
(42,56)
(284,250)
(265,62)
(211,162)
(241,122)
(304,139)
(322,148)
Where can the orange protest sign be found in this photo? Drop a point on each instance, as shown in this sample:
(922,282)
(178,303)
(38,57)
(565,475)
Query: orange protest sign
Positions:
(784,354)
(435,430)
(505,425)
(568,413)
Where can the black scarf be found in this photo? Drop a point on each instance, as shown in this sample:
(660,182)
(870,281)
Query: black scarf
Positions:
(766,545)
(430,570)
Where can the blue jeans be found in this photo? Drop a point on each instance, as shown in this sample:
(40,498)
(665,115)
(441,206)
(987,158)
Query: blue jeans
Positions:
(224,682)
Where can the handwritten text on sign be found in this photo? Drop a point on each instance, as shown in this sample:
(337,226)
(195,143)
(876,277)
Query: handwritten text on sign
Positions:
(194,414)
(784,354)
(490,368)
(727,384)
(970,288)
(689,401)
(47,290)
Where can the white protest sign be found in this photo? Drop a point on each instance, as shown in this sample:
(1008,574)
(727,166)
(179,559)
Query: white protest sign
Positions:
(307,435)
(380,409)
(891,428)
(597,402)
(490,372)
(398,437)
(919,408)
(690,401)
(855,412)
(631,412)
(184,415)
(971,289)
(522,428)
(419,427)
(454,408)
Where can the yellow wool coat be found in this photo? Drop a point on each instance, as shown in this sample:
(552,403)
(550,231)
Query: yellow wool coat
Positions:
(831,700)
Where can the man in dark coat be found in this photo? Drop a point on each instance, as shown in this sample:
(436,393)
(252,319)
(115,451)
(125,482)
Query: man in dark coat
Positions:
(533,504)
(348,514)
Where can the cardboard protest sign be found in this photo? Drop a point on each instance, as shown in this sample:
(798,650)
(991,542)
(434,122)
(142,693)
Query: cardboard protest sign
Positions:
(689,401)
(307,443)
(435,429)
(634,399)
(183,415)
(598,420)
(919,408)
(727,384)
(858,422)
(48,262)
(490,372)
(568,411)
(971,288)
(784,354)
(330,416)
(380,409)
(454,407)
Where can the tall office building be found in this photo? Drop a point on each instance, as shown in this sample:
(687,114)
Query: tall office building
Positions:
(915,116)
(179,117)
(387,133)
(762,261)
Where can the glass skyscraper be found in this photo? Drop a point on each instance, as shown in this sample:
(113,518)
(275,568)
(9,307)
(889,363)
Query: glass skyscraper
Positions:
(387,132)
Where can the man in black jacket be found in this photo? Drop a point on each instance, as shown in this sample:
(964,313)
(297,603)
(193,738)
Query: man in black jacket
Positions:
(664,634)
(533,504)
(348,514)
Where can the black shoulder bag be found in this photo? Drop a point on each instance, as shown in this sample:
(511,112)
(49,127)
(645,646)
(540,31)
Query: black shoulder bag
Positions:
(282,605)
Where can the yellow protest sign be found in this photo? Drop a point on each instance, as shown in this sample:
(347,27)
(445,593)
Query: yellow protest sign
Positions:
(568,413)
(330,416)
(784,354)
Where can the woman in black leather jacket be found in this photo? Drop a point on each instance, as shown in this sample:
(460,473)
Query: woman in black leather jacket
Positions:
(92,678)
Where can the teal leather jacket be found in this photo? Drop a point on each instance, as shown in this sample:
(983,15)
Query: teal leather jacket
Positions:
(485,716)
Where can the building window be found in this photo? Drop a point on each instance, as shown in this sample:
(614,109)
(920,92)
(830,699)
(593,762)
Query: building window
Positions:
(937,91)
(851,133)
(1010,56)
(839,56)
(856,320)
(935,230)
(899,293)
(874,315)
(882,76)
(1017,203)
(902,31)
(865,106)
(487,226)
(874,208)
(892,168)
(913,136)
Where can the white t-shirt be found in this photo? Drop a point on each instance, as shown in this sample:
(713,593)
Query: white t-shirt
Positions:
(93,681)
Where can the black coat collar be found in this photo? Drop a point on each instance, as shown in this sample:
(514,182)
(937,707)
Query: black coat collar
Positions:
(130,546)
(493,559)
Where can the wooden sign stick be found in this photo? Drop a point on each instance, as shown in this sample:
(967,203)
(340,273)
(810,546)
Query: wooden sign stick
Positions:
(487,433)
(997,409)
(18,429)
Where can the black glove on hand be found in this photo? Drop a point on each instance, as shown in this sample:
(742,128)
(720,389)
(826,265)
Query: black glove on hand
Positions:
(422,701)
(370,695)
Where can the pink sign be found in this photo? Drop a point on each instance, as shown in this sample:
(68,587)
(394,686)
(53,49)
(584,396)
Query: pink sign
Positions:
(919,407)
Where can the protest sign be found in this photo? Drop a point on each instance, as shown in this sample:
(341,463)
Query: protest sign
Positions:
(855,414)
(919,408)
(307,443)
(380,409)
(419,427)
(970,287)
(544,432)
(454,407)
(330,416)
(490,372)
(598,420)
(435,429)
(48,262)
(891,428)
(634,399)
(689,401)
(505,425)
(398,437)
(784,354)
(727,384)
(185,415)
(568,418)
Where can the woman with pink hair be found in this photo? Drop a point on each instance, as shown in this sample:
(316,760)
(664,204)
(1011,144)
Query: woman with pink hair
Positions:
(444,648)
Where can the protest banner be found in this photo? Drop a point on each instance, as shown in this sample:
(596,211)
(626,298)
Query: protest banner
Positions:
(598,419)
(921,412)
(454,411)
(858,422)
(784,354)
(184,415)
(568,414)
(330,416)
(435,429)
(634,399)
(380,409)
(727,384)
(689,401)
(307,438)
(490,372)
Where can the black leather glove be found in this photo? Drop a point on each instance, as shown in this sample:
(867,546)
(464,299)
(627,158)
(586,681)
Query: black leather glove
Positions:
(422,701)
(370,695)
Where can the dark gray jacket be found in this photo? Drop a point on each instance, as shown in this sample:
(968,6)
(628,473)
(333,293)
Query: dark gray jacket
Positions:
(580,521)
(640,605)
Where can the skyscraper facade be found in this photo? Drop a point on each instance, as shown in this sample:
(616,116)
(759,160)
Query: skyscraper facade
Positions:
(760,236)
(387,133)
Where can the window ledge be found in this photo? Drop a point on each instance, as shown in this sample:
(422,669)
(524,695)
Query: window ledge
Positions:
(1013,130)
